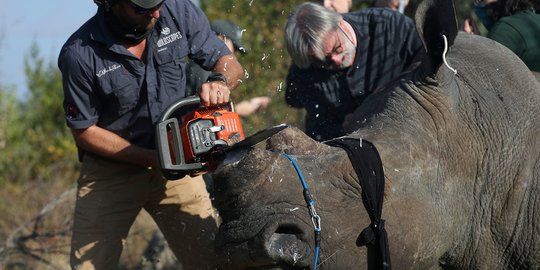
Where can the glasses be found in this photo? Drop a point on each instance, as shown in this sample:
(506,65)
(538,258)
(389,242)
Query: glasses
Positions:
(338,49)
(144,11)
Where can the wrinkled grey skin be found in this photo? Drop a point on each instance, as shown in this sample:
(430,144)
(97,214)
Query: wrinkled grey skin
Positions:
(461,155)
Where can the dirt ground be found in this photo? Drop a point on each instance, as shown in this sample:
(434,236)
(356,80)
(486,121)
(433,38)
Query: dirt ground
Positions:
(36,232)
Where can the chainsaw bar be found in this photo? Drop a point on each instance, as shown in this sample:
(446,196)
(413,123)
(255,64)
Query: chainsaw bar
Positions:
(258,137)
(218,154)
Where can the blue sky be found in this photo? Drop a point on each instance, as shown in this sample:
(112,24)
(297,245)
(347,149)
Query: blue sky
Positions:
(47,22)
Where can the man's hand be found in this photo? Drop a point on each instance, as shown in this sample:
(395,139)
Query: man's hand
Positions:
(248,107)
(214,93)
(217,91)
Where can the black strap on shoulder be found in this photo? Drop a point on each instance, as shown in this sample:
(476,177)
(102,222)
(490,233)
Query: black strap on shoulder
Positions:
(368,166)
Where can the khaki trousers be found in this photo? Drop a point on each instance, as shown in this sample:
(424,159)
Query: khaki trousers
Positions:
(110,195)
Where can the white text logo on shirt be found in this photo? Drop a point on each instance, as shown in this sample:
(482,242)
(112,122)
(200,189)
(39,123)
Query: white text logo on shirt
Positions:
(166,31)
(168,39)
(108,69)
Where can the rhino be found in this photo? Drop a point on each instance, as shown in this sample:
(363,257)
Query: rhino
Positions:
(458,137)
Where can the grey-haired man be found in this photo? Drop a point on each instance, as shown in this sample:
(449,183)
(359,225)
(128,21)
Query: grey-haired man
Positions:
(120,70)
(341,58)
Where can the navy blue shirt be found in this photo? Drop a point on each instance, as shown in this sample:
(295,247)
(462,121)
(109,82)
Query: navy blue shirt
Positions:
(387,42)
(106,85)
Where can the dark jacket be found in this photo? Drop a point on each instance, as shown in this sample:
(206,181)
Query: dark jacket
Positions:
(387,42)
(521,34)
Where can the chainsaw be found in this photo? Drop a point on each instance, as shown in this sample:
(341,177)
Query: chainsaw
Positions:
(192,139)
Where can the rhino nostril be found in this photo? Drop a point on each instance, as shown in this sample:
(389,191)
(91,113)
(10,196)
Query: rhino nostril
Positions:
(288,229)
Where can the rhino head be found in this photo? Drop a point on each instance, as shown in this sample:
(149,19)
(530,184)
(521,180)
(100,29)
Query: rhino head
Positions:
(263,193)
(461,157)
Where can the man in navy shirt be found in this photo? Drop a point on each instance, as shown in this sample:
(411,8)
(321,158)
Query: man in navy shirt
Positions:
(341,58)
(120,70)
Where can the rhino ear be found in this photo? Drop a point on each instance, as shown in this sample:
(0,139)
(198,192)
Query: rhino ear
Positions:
(295,142)
(435,19)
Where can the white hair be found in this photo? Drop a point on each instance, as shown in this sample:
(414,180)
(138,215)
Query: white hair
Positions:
(305,30)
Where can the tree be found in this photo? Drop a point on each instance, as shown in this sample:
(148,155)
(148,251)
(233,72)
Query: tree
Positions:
(36,142)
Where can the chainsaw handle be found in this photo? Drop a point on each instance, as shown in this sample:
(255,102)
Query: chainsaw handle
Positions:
(171,170)
(188,101)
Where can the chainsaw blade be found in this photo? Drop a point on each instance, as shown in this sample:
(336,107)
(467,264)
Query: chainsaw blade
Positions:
(259,136)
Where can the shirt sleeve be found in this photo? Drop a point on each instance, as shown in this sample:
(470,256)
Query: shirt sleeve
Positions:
(205,47)
(508,36)
(81,106)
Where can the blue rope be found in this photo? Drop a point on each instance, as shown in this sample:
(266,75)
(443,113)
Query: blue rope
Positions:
(316,219)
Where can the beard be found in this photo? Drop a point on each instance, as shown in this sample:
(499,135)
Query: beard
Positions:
(145,26)
(349,52)
(131,33)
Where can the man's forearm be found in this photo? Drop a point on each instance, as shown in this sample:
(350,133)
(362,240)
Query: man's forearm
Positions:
(218,92)
(107,144)
(229,66)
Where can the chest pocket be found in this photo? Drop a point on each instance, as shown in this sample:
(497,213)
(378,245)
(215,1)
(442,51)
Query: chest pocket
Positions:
(171,69)
(120,94)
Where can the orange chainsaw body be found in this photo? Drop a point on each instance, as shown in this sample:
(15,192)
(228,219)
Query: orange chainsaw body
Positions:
(189,142)
(197,141)
(208,127)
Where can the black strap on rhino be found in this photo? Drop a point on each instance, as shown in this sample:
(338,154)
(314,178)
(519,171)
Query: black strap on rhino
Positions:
(368,166)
